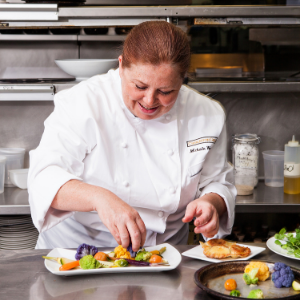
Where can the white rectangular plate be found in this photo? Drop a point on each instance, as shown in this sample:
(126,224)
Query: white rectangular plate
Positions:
(197,252)
(171,255)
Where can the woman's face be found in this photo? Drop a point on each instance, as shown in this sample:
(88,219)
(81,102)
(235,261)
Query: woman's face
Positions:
(149,91)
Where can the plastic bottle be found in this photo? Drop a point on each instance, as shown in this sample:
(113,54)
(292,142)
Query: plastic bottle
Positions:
(292,167)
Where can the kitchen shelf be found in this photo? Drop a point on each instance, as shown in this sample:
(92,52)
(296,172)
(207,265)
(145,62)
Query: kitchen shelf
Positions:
(179,11)
(26,92)
(50,37)
(242,87)
(14,201)
(204,15)
(46,92)
(37,37)
(267,199)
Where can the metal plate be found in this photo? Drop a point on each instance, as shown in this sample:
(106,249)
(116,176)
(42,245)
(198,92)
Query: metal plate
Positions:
(211,279)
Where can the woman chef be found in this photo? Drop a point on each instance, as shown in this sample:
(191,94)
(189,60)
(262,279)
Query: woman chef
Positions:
(133,155)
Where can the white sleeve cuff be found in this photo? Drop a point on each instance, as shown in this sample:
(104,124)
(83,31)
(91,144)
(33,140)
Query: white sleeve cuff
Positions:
(43,190)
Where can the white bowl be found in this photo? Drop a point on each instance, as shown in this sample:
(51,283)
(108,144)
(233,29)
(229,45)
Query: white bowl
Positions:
(19,178)
(86,68)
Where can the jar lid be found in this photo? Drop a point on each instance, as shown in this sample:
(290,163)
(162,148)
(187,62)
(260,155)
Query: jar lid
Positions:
(246,137)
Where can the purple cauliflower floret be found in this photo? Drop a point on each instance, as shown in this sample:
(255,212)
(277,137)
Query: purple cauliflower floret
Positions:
(84,250)
(283,275)
(129,249)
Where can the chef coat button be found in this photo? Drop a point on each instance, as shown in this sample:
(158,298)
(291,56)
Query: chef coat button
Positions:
(124,145)
(170,152)
(168,117)
(172,190)
(182,101)
(160,214)
(125,183)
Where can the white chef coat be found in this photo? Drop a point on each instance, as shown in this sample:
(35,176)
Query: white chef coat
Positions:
(157,166)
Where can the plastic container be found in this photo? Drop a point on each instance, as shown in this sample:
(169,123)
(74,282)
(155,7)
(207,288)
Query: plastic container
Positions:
(19,178)
(14,160)
(2,173)
(273,166)
(292,167)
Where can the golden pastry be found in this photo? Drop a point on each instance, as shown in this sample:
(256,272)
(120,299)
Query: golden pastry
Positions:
(219,248)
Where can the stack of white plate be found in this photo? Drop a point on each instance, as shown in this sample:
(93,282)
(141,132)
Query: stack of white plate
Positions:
(17,232)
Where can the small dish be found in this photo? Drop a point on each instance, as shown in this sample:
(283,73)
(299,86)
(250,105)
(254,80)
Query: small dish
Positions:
(211,279)
(197,253)
(85,68)
(19,178)
(278,250)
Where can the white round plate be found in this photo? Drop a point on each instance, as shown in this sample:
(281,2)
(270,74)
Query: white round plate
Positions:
(277,249)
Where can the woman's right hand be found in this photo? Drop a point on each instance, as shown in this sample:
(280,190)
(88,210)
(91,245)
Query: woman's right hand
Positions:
(123,221)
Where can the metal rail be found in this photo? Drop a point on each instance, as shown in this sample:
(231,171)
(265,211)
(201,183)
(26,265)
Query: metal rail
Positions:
(179,11)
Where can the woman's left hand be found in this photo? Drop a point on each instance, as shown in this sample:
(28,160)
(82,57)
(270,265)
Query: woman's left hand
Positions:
(207,210)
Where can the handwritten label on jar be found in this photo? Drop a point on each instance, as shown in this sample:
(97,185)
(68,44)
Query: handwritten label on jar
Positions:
(291,169)
(246,162)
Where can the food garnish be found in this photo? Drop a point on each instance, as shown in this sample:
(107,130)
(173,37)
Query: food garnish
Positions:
(292,244)
(89,262)
(256,294)
(219,248)
(230,284)
(121,262)
(120,257)
(143,255)
(60,260)
(235,293)
(121,252)
(84,250)
(263,270)
(155,259)
(101,256)
(69,266)
(251,278)
(296,285)
(129,249)
(283,275)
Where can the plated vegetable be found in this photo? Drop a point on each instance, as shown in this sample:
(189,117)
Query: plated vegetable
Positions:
(255,273)
(291,241)
(87,257)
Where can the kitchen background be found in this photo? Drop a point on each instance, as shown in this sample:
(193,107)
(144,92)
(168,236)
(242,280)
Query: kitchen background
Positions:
(264,99)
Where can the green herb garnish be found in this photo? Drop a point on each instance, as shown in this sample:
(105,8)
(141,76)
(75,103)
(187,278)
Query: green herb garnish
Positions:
(292,243)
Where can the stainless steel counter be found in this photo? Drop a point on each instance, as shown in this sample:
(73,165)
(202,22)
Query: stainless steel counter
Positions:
(264,200)
(24,276)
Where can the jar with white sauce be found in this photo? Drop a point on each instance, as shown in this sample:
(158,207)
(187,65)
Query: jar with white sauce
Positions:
(245,155)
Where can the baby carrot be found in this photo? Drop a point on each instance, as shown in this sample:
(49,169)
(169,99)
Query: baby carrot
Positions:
(69,266)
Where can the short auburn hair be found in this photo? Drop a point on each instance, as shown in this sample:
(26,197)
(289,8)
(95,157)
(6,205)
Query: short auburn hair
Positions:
(157,42)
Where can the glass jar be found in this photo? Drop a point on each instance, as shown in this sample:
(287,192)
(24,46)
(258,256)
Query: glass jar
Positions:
(245,156)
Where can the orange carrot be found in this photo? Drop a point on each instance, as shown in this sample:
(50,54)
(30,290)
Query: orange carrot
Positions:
(69,266)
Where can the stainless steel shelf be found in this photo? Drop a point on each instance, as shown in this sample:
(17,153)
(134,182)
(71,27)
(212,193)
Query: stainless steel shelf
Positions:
(37,37)
(267,199)
(241,87)
(14,201)
(179,11)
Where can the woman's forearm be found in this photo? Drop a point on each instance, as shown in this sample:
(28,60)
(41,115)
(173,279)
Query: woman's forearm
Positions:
(79,196)
(123,221)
